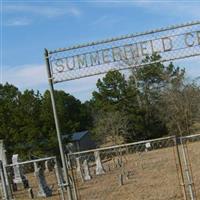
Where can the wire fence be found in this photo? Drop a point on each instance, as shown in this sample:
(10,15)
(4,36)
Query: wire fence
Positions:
(164,169)
(141,170)
(191,163)
(34,179)
(4,193)
(171,43)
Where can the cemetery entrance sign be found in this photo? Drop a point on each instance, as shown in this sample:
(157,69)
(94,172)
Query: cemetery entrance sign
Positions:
(129,51)
(94,58)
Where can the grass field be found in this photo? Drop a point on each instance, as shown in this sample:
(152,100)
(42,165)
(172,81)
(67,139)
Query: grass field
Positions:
(152,175)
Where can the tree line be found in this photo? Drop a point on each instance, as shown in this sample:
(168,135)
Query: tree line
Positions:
(151,101)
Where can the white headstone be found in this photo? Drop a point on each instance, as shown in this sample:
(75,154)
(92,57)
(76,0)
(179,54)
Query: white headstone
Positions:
(44,190)
(47,166)
(17,170)
(78,168)
(86,171)
(19,177)
(35,166)
(99,168)
(148,146)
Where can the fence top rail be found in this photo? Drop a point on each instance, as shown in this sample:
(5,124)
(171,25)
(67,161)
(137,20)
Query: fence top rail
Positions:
(120,146)
(125,37)
(32,161)
(190,136)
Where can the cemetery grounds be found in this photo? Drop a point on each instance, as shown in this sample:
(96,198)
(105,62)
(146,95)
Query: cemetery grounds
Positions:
(152,174)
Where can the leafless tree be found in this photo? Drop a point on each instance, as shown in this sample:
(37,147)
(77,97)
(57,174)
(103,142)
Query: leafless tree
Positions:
(111,126)
(180,108)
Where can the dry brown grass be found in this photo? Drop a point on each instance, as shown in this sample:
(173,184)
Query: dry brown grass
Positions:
(22,194)
(152,175)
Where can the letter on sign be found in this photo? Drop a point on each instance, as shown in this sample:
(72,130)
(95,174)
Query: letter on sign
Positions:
(94,58)
(189,39)
(105,55)
(167,44)
(198,37)
(117,54)
(59,65)
(82,61)
(143,46)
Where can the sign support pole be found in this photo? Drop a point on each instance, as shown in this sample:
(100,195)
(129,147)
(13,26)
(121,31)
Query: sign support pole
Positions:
(66,175)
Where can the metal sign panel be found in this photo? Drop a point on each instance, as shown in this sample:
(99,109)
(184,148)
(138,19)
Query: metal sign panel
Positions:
(171,43)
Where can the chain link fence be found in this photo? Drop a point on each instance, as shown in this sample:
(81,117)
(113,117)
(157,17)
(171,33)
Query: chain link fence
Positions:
(141,170)
(164,168)
(4,189)
(191,163)
(128,51)
(35,179)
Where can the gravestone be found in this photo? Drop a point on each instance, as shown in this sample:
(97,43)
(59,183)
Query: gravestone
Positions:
(35,166)
(44,190)
(147,146)
(59,173)
(86,171)
(117,162)
(78,168)
(121,181)
(47,168)
(17,170)
(30,193)
(99,168)
(19,177)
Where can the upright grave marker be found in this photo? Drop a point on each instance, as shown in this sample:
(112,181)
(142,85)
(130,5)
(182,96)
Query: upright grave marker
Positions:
(19,177)
(99,168)
(44,190)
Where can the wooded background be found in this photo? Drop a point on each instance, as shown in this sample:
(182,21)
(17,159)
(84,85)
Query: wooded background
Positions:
(154,101)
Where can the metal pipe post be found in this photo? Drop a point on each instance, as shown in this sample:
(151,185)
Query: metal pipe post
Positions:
(3,180)
(182,182)
(187,171)
(51,88)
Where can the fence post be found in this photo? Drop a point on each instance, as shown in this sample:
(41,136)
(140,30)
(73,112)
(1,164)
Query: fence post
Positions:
(51,89)
(72,176)
(3,181)
(58,179)
(187,170)
(182,183)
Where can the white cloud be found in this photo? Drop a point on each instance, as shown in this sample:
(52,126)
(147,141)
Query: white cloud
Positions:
(18,22)
(191,65)
(25,76)
(45,11)
(34,76)
(80,85)
(171,8)
(178,8)
(74,11)
(100,20)
(48,12)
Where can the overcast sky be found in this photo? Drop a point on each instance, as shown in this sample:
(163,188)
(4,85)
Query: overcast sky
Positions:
(27,27)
